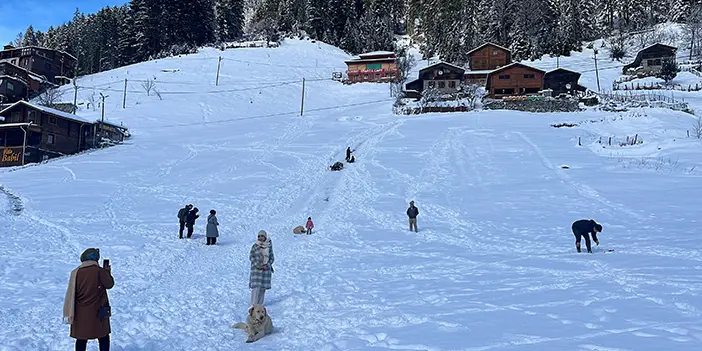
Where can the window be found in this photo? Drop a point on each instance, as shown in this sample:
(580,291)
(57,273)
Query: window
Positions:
(649,62)
(504,76)
(657,62)
(10,86)
(50,139)
(13,61)
(371,66)
(52,120)
(529,75)
(452,84)
(442,85)
(15,117)
(34,117)
(26,52)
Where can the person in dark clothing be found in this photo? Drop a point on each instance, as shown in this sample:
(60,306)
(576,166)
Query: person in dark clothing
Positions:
(348,154)
(583,228)
(337,166)
(412,213)
(190,221)
(352,159)
(182,216)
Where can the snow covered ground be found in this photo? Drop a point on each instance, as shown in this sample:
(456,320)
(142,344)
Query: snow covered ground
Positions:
(493,266)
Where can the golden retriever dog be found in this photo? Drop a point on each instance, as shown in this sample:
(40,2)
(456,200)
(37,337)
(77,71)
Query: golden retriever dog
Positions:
(258,323)
(299,230)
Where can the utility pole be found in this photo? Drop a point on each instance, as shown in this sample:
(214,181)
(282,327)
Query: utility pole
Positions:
(219,64)
(597,73)
(102,120)
(302,104)
(124,101)
(75,96)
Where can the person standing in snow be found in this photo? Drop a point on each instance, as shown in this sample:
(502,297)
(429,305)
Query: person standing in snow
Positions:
(261,257)
(348,154)
(583,228)
(211,231)
(182,217)
(412,213)
(190,221)
(309,225)
(86,294)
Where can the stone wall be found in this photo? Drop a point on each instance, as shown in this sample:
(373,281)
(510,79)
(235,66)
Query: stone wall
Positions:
(542,105)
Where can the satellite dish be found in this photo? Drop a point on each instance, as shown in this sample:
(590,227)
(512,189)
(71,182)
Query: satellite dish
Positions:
(568,86)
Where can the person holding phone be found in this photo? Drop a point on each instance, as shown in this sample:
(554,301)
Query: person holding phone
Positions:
(86,306)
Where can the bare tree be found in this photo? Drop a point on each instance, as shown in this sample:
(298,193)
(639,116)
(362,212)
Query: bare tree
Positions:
(405,63)
(50,97)
(18,40)
(92,100)
(148,85)
(697,128)
(469,92)
(693,29)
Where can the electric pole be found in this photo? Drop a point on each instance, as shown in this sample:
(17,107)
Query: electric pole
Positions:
(597,73)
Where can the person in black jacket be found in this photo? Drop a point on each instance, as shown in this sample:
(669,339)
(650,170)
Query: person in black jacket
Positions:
(412,213)
(182,218)
(190,221)
(585,227)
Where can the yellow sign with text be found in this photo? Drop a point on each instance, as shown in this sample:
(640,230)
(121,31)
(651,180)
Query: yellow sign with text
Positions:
(11,156)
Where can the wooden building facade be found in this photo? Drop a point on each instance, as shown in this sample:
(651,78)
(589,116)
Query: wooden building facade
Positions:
(514,79)
(650,59)
(379,66)
(46,62)
(562,81)
(442,77)
(43,133)
(489,56)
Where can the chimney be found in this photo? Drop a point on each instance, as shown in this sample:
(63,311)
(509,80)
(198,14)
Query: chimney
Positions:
(9,46)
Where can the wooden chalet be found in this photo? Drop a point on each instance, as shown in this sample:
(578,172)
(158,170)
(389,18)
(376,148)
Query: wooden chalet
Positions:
(562,81)
(46,62)
(20,83)
(650,59)
(488,57)
(379,66)
(442,76)
(514,79)
(37,133)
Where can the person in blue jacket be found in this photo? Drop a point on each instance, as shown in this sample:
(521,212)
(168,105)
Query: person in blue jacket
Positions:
(585,228)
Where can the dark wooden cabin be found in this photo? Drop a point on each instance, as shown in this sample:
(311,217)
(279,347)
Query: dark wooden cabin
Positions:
(442,76)
(562,81)
(52,132)
(489,56)
(46,62)
(650,59)
(12,89)
(514,79)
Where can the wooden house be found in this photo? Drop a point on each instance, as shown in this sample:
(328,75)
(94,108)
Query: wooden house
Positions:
(489,57)
(39,133)
(12,88)
(650,59)
(514,79)
(46,62)
(443,77)
(562,81)
(379,66)
(23,84)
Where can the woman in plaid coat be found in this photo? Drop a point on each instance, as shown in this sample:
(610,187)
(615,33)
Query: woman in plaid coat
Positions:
(261,257)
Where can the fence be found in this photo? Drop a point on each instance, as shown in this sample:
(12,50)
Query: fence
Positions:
(657,86)
(646,100)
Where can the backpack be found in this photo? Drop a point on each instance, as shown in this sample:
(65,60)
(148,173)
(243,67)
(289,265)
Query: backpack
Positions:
(181,215)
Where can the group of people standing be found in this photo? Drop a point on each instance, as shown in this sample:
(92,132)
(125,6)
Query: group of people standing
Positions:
(187,216)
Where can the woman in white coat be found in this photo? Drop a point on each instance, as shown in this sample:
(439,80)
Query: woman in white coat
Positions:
(212,232)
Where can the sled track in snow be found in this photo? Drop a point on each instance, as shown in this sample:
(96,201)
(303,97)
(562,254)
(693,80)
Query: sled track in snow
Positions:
(16,203)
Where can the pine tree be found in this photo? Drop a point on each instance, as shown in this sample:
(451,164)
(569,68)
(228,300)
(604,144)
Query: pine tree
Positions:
(230,19)
(127,43)
(30,37)
(318,19)
(352,40)
(669,70)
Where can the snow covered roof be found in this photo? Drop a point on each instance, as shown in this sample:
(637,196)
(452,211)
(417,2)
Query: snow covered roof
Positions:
(50,111)
(42,48)
(371,60)
(4,76)
(12,125)
(658,44)
(562,69)
(111,124)
(516,64)
(486,71)
(442,63)
(376,53)
(34,76)
(486,44)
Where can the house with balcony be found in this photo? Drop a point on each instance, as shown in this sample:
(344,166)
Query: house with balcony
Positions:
(378,66)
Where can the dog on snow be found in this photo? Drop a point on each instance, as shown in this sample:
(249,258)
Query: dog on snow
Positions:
(258,323)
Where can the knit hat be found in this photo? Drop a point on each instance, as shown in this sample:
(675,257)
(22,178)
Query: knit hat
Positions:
(90,255)
(213,212)
(412,202)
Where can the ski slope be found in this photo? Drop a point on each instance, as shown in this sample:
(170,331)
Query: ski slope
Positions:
(493,266)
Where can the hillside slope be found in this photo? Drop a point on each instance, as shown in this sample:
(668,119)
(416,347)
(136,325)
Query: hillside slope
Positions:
(492,267)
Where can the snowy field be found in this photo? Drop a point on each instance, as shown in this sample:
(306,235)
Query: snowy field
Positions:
(493,266)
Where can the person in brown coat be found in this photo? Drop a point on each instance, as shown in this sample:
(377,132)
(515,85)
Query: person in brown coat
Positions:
(86,294)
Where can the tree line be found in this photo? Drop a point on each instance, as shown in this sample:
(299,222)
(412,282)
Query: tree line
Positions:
(144,29)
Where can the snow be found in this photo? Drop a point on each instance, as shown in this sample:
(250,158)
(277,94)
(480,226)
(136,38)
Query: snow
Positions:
(493,266)
(50,110)
(12,125)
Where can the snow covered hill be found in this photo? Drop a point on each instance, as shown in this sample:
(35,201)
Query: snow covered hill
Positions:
(493,266)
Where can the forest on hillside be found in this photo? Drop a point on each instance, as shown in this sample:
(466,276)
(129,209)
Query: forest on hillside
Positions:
(146,29)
